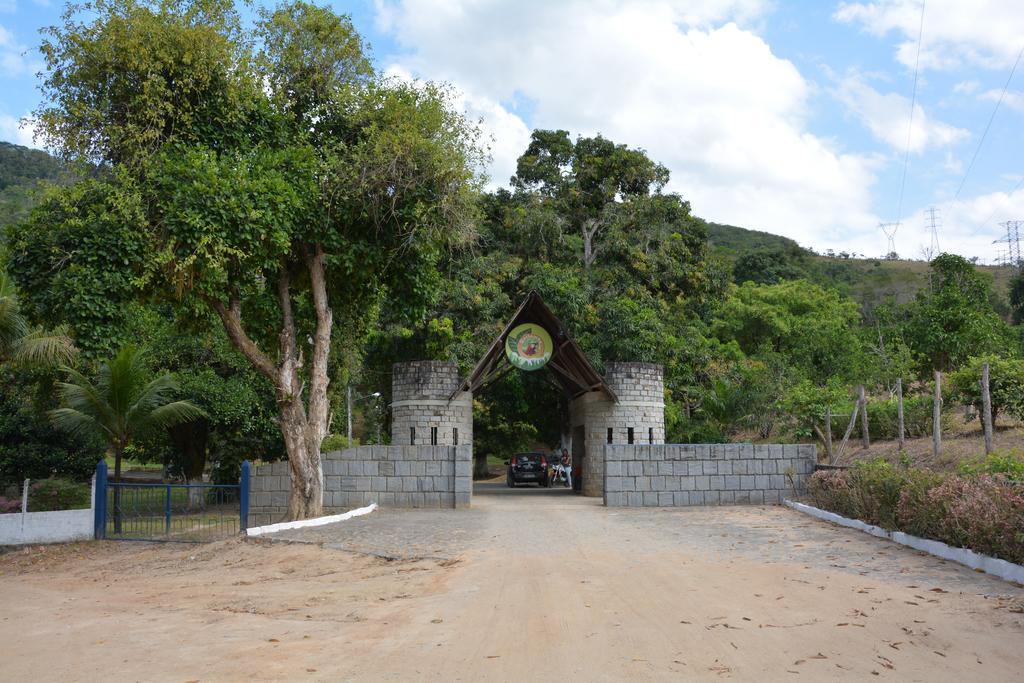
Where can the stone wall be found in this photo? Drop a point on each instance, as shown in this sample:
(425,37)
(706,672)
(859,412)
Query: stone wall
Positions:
(391,476)
(718,474)
(421,412)
(641,408)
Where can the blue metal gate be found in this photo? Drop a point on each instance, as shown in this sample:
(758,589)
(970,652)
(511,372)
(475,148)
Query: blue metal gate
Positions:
(188,513)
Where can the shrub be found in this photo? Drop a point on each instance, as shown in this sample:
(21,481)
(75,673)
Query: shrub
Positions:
(336,442)
(9,505)
(876,487)
(1006,385)
(29,445)
(57,494)
(918,512)
(883,417)
(830,490)
(1009,463)
(983,512)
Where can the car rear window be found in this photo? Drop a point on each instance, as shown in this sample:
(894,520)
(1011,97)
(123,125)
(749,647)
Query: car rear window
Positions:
(528,457)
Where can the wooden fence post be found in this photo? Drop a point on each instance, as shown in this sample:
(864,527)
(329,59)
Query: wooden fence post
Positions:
(937,416)
(900,430)
(986,408)
(849,429)
(828,435)
(865,435)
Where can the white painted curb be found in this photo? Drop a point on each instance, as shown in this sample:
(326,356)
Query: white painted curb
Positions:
(316,521)
(1007,571)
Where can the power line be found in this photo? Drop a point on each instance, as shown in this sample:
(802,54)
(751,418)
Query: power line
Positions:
(910,125)
(989,124)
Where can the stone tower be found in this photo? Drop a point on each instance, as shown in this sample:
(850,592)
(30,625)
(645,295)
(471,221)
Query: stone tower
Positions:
(421,412)
(638,417)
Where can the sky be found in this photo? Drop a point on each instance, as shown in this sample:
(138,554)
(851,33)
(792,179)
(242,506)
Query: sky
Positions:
(792,117)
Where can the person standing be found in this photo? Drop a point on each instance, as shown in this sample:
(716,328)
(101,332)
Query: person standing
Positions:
(566,463)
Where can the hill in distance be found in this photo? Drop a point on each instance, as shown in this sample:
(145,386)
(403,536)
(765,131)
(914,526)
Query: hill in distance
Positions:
(870,281)
(22,171)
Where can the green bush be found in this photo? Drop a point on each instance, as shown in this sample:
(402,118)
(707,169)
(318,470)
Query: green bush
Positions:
(876,487)
(1006,385)
(57,494)
(1009,463)
(883,417)
(336,442)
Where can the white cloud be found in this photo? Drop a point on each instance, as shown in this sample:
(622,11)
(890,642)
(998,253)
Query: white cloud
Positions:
(966,87)
(18,131)
(887,116)
(1014,99)
(987,33)
(952,165)
(967,226)
(712,102)
(14,57)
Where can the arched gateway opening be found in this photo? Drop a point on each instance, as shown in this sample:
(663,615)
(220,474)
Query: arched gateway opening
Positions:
(433,406)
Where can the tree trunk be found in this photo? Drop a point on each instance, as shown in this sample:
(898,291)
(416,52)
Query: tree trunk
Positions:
(307,492)
(900,427)
(481,470)
(589,231)
(986,408)
(190,439)
(937,416)
(303,423)
(828,435)
(865,432)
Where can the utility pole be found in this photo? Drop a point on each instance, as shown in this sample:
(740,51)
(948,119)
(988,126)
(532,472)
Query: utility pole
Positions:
(932,223)
(890,232)
(1011,256)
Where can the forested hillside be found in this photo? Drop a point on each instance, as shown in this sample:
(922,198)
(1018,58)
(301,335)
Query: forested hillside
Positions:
(756,333)
(22,170)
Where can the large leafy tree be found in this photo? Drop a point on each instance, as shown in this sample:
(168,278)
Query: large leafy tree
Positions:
(77,259)
(815,329)
(585,178)
(285,186)
(953,319)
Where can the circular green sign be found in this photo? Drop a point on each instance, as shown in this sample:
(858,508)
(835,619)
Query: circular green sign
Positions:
(528,347)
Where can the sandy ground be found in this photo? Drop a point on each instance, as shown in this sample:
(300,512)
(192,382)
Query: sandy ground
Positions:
(535,585)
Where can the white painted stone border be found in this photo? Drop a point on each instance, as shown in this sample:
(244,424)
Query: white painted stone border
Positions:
(316,521)
(1008,571)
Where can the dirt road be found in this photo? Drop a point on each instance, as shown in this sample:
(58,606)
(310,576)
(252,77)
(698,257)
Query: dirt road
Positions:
(530,586)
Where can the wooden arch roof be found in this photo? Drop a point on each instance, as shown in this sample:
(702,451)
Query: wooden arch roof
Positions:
(569,365)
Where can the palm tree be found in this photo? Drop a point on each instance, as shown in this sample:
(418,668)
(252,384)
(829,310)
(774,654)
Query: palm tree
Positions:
(21,343)
(123,404)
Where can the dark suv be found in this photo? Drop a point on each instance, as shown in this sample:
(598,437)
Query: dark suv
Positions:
(527,467)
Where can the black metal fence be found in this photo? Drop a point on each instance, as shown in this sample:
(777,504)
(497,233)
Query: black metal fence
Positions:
(137,511)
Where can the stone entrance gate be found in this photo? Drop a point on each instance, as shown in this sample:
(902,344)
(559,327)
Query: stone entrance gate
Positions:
(616,434)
